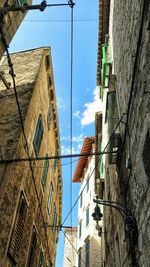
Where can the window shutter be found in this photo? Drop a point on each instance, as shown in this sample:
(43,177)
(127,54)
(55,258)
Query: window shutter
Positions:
(41,256)
(16,238)
(50,197)
(49,117)
(38,135)
(87,253)
(45,172)
(79,259)
(20,2)
(87,216)
(32,248)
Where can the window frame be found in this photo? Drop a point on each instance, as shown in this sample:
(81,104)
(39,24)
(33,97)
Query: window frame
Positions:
(87,253)
(38,135)
(32,248)
(50,194)
(80,229)
(18,229)
(41,253)
(87,216)
(45,172)
(81,199)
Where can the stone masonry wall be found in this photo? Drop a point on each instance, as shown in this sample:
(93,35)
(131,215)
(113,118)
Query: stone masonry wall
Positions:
(17,177)
(131,63)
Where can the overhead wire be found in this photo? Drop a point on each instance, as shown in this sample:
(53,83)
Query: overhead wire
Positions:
(11,72)
(72,245)
(3,161)
(120,121)
(71,103)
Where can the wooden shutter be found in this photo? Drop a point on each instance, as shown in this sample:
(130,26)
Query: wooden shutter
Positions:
(87,253)
(45,172)
(32,248)
(38,135)
(16,238)
(41,257)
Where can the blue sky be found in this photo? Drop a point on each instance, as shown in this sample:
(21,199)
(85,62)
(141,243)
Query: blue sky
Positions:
(52,28)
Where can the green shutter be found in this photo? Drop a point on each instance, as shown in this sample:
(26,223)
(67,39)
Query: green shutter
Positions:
(87,216)
(81,199)
(87,253)
(38,135)
(87,185)
(20,2)
(45,172)
(41,256)
(50,197)
(79,259)
(80,229)
(56,159)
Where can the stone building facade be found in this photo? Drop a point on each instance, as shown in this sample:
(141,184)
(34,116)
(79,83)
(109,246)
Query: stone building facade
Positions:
(88,240)
(127,96)
(30,192)
(70,255)
(10,21)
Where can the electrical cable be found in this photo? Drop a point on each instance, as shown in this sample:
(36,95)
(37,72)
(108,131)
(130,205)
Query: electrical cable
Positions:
(72,245)
(11,72)
(93,169)
(3,161)
(71,104)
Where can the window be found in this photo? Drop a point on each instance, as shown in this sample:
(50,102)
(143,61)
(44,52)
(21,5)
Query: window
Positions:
(79,258)
(47,62)
(87,185)
(146,155)
(117,252)
(56,159)
(87,253)
(81,199)
(16,238)
(41,257)
(112,118)
(32,248)
(58,181)
(50,197)
(87,216)
(49,81)
(54,217)
(49,117)
(80,229)
(38,135)
(20,2)
(45,172)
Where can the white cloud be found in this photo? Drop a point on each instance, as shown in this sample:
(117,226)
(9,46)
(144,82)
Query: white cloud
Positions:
(65,150)
(91,108)
(60,103)
(75,139)
(77,114)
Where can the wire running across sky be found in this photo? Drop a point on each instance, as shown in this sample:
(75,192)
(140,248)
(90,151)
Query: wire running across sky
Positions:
(100,157)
